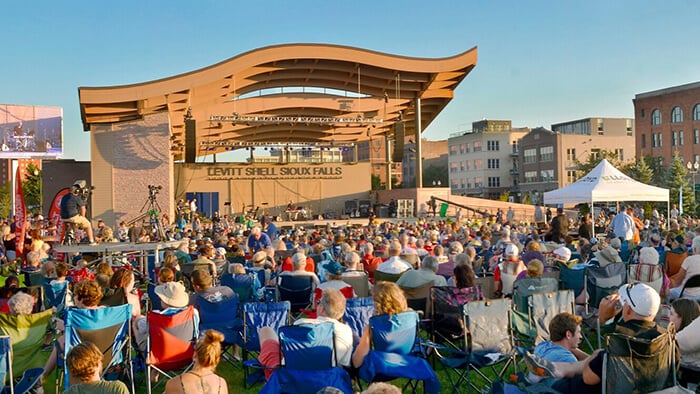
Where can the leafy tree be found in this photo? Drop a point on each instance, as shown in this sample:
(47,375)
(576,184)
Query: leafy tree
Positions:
(677,176)
(376,182)
(504,196)
(583,168)
(31,186)
(5,200)
(657,168)
(642,172)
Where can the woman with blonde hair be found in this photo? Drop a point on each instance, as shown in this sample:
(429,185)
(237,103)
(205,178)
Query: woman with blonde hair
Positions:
(202,378)
(388,300)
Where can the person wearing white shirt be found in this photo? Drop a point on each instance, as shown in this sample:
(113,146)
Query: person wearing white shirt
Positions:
(395,264)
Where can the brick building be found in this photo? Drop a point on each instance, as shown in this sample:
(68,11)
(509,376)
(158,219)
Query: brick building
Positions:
(434,154)
(668,121)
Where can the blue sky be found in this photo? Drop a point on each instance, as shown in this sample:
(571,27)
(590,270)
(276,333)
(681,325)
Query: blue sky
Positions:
(540,62)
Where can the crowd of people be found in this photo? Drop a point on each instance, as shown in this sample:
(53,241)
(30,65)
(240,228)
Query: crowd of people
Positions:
(662,254)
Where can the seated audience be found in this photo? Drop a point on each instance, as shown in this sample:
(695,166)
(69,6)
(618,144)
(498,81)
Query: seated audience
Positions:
(85,365)
(395,264)
(202,378)
(684,316)
(202,283)
(426,274)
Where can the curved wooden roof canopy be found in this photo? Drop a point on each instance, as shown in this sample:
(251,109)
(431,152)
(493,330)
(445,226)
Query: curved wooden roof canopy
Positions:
(387,85)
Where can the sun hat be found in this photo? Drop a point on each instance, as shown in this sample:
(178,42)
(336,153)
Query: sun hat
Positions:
(642,298)
(334,267)
(607,256)
(173,294)
(511,250)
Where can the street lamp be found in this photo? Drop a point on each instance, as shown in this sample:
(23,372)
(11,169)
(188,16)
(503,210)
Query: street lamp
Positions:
(693,169)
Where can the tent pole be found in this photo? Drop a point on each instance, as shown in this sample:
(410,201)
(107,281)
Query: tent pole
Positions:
(593,218)
(668,213)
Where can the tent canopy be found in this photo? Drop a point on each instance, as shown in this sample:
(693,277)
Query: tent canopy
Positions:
(605,183)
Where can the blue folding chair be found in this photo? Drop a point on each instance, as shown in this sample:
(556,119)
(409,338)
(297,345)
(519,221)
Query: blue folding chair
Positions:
(255,316)
(394,338)
(572,278)
(109,329)
(245,285)
(223,317)
(297,290)
(55,295)
(154,298)
(358,311)
(30,377)
(308,356)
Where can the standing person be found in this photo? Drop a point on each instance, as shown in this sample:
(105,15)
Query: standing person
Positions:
(193,209)
(559,226)
(585,229)
(510,215)
(539,215)
(623,225)
(202,378)
(73,210)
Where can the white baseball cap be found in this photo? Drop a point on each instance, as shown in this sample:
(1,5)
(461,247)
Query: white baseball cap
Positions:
(642,298)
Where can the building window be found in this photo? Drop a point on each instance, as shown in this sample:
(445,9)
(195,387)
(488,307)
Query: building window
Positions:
(643,113)
(529,156)
(696,112)
(656,117)
(454,184)
(461,166)
(620,153)
(547,175)
(477,146)
(680,137)
(547,153)
(467,147)
(644,141)
(600,126)
(461,149)
(595,153)
(628,125)
(494,181)
(492,145)
(571,154)
(660,144)
(478,182)
(453,150)
(478,164)
(676,115)
(453,167)
(494,163)
(467,165)
(696,136)
(530,176)
(674,138)
(570,176)
(696,158)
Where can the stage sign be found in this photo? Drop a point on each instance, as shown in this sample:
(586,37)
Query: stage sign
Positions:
(29,131)
(275,172)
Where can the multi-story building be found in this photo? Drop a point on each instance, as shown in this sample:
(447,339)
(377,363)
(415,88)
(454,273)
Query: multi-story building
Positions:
(483,162)
(374,151)
(668,121)
(548,157)
(433,154)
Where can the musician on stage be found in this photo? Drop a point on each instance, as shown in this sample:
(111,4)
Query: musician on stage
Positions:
(73,210)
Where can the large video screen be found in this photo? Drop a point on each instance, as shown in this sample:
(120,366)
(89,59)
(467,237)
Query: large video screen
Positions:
(30,131)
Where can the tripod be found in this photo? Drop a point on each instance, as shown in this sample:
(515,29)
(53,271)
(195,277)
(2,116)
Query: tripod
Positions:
(152,211)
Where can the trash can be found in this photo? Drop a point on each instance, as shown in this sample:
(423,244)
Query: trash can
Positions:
(443,209)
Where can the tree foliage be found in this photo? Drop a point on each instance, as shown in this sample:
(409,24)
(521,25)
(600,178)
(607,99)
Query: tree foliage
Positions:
(584,167)
(5,200)
(31,186)
(677,176)
(376,182)
(642,172)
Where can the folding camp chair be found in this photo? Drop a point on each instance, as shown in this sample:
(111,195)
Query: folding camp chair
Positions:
(358,311)
(634,365)
(394,339)
(359,283)
(114,297)
(488,345)
(30,378)
(525,287)
(27,333)
(55,295)
(542,307)
(572,278)
(487,284)
(446,320)
(651,274)
(297,290)
(244,285)
(674,262)
(600,282)
(110,330)
(224,317)
(308,354)
(170,345)
(383,276)
(155,302)
(417,298)
(255,316)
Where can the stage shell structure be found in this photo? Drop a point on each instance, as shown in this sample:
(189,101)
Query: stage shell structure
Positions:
(293,96)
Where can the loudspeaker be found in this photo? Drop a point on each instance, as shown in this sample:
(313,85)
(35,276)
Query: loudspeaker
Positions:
(190,141)
(399,131)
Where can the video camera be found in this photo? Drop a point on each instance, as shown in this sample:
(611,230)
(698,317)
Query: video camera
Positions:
(82,190)
(153,190)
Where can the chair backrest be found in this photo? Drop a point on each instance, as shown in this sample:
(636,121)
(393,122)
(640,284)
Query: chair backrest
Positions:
(221,316)
(411,259)
(171,339)
(386,277)
(692,282)
(508,274)
(6,361)
(33,278)
(114,297)
(572,279)
(358,311)
(27,333)
(603,281)
(489,326)
(418,297)
(633,365)
(395,333)
(55,295)
(552,271)
(446,310)
(260,273)
(651,274)
(154,298)
(542,307)
(108,328)
(242,285)
(525,287)
(487,285)
(307,347)
(262,314)
(296,289)
(674,261)
(359,283)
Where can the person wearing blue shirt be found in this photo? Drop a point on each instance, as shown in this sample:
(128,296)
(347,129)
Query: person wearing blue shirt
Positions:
(257,240)
(564,338)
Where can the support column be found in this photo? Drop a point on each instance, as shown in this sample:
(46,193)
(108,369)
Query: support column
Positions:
(419,155)
(354,152)
(388,162)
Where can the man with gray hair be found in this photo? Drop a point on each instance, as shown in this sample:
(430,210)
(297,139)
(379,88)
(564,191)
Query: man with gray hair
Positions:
(395,264)
(299,269)
(422,276)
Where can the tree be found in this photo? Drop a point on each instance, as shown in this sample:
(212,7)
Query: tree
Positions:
(677,176)
(376,182)
(583,168)
(31,186)
(5,200)
(657,168)
(642,172)
(504,196)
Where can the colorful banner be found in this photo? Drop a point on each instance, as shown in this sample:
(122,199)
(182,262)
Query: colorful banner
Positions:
(20,214)
(55,212)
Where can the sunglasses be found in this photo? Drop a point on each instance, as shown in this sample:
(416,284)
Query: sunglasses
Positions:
(629,295)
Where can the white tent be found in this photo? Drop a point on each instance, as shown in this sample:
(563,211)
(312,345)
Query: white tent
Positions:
(605,183)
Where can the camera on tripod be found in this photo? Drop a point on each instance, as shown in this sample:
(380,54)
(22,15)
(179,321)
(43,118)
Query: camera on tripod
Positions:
(82,190)
(153,190)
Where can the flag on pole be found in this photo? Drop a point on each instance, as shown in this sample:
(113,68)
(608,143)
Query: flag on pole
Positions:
(55,212)
(20,214)
(680,201)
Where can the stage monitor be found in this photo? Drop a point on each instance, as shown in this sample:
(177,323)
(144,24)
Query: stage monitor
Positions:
(30,131)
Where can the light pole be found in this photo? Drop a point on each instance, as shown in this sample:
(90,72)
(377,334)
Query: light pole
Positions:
(693,169)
